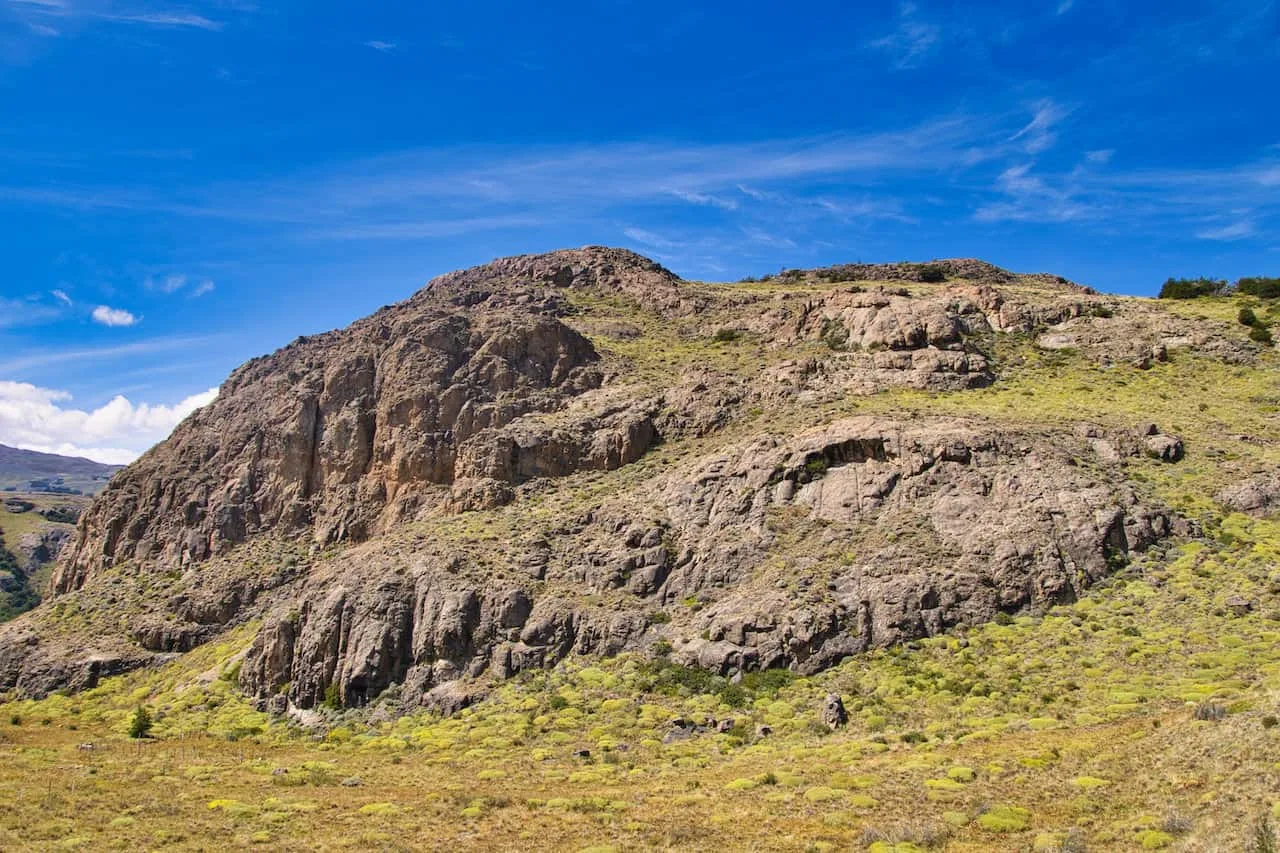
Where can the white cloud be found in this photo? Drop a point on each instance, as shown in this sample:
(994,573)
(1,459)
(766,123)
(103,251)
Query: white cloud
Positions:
(1101,156)
(381,46)
(109,316)
(201,289)
(35,418)
(61,296)
(1234,231)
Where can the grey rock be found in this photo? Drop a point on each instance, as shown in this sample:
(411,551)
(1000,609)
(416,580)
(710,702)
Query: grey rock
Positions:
(834,715)
(1166,448)
(1257,495)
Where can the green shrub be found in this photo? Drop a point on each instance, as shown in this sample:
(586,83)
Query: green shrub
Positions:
(932,274)
(1153,839)
(140,724)
(1264,288)
(767,682)
(1247,317)
(724,336)
(734,696)
(1191,288)
(1261,334)
(1004,819)
(332,699)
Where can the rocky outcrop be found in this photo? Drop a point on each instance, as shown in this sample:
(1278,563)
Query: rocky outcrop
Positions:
(886,531)
(346,433)
(463,486)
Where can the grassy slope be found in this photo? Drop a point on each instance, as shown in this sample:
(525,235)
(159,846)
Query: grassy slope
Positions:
(1075,726)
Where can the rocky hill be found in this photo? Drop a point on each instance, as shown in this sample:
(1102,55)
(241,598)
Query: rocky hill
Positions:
(581,453)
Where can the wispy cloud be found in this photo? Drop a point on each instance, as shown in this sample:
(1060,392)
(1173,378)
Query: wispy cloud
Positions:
(1064,7)
(25,312)
(115,317)
(38,14)
(1233,231)
(167,284)
(1038,135)
(768,238)
(159,19)
(649,239)
(35,360)
(171,283)
(911,41)
(996,167)
(381,46)
(705,199)
(61,296)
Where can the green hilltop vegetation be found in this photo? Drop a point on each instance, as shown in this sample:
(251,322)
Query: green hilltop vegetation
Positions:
(1144,716)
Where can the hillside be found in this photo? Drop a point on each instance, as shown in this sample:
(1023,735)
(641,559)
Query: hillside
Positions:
(29,470)
(34,527)
(565,550)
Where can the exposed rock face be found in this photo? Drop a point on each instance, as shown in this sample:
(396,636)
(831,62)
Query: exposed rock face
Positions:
(465,485)
(343,433)
(912,529)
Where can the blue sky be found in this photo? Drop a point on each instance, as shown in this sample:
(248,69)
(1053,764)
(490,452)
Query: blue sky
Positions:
(184,186)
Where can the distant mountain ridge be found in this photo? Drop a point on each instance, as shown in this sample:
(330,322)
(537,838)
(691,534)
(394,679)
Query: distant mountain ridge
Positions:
(21,468)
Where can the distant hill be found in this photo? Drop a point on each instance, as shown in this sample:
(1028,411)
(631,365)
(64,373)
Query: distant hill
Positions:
(29,470)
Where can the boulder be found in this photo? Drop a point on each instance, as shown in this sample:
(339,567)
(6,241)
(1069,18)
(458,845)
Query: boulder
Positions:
(834,715)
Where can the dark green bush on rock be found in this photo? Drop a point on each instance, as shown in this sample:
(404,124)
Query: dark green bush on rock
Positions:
(932,274)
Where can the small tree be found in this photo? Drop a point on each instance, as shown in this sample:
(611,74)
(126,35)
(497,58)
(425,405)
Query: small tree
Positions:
(1247,317)
(140,724)
(1261,334)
